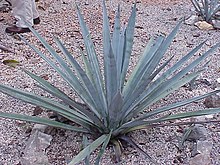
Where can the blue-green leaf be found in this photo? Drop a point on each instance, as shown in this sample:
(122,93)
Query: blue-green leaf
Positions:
(98,102)
(95,69)
(66,99)
(88,150)
(69,77)
(144,65)
(129,37)
(110,67)
(192,114)
(102,150)
(115,113)
(44,121)
(48,104)
(161,92)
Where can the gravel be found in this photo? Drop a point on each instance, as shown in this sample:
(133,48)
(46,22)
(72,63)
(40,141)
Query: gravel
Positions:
(59,18)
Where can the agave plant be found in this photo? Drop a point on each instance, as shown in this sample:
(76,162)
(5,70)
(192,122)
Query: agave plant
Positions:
(207,9)
(112,102)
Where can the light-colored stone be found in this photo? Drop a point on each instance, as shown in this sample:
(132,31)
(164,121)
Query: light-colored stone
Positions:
(203,25)
(39,127)
(34,153)
(204,146)
(204,149)
(192,20)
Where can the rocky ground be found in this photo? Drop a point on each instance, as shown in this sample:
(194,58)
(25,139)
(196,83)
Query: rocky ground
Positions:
(58,146)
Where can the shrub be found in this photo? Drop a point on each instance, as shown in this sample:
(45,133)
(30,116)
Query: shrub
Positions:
(112,103)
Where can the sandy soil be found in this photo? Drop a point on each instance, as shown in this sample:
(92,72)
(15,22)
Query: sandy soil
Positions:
(59,18)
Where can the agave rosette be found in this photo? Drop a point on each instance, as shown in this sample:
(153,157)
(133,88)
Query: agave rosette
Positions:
(207,9)
(112,102)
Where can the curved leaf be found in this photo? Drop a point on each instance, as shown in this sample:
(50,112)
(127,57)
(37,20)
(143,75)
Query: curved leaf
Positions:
(157,86)
(72,80)
(88,150)
(191,114)
(98,101)
(146,63)
(44,121)
(129,37)
(110,68)
(91,53)
(48,104)
(66,99)
(104,145)
(161,92)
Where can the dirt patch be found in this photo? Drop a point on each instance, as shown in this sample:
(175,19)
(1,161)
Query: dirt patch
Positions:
(59,18)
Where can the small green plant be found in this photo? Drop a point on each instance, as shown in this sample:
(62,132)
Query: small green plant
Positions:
(112,102)
(207,9)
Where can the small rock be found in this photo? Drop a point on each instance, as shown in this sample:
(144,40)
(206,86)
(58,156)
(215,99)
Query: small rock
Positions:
(37,111)
(212,101)
(43,128)
(198,132)
(39,127)
(45,76)
(192,20)
(203,25)
(139,27)
(159,153)
(205,146)
(20,123)
(209,116)
(196,35)
(57,117)
(28,130)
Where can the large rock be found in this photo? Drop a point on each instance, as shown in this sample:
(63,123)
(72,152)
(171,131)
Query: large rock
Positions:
(202,146)
(34,153)
(203,157)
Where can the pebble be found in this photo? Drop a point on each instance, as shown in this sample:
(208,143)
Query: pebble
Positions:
(212,101)
(203,25)
(37,111)
(192,20)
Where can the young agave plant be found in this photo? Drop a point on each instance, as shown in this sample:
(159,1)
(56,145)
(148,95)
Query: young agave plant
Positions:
(112,102)
(207,9)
